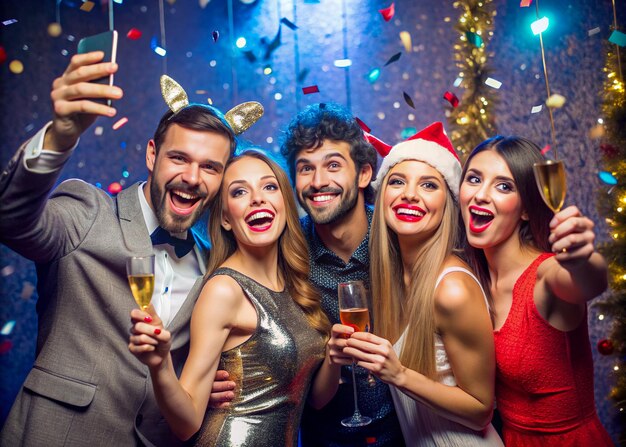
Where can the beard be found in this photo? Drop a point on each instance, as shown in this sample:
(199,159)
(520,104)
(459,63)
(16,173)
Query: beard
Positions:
(173,222)
(330,215)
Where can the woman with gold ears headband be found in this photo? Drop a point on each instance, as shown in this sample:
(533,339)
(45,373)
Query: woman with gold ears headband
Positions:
(541,269)
(257,317)
(434,341)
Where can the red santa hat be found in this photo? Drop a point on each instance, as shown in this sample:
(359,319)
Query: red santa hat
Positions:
(430,145)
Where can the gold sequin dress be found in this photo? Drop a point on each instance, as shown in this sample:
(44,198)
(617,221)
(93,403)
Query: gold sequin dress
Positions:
(273,371)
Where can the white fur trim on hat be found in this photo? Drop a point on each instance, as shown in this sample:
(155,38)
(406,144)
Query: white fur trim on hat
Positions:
(429,152)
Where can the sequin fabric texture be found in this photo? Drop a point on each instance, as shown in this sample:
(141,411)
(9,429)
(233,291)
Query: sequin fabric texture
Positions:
(273,371)
(323,427)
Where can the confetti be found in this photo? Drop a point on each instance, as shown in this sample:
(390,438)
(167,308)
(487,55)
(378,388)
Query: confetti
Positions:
(289,24)
(373,75)
(203,3)
(474,39)
(545,149)
(310,89)
(555,101)
(302,75)
(342,63)
(119,123)
(249,55)
(593,31)
(7,271)
(388,13)
(362,125)
(596,132)
(405,37)
(3,55)
(29,127)
(525,3)
(54,29)
(98,130)
(493,83)
(408,100)
(114,188)
(8,328)
(408,132)
(618,38)
(451,98)
(27,290)
(133,34)
(216,35)
(536,109)
(274,44)
(16,67)
(393,59)
(607,178)
(87,6)
(5,346)
(458,81)
(9,22)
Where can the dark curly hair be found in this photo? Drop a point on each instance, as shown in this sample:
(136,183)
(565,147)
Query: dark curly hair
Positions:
(328,121)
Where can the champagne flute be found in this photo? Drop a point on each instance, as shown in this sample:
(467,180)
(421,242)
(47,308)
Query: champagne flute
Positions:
(550,177)
(140,272)
(353,311)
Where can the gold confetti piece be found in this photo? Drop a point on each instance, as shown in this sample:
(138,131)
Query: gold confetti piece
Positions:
(87,6)
(119,123)
(54,29)
(16,67)
(596,132)
(555,101)
(405,37)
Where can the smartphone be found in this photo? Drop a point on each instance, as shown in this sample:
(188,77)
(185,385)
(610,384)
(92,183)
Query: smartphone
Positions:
(107,43)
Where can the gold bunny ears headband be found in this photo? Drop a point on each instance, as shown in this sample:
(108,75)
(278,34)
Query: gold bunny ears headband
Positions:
(240,117)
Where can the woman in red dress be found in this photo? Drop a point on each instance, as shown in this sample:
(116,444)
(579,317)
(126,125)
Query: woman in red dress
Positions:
(541,269)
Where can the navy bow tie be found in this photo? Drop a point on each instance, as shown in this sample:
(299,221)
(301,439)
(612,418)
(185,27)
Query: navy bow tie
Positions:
(181,246)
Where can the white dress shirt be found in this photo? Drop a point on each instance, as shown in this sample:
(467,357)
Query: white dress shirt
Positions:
(174,277)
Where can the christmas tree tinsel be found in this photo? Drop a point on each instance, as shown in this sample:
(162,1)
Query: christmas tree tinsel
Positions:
(472,121)
(612,205)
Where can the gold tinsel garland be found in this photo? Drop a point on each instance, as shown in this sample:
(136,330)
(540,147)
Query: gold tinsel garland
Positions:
(612,205)
(472,121)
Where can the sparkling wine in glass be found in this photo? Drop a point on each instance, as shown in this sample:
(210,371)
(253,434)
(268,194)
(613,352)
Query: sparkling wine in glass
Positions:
(140,272)
(354,311)
(550,177)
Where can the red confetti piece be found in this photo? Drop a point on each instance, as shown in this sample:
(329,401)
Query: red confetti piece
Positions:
(525,3)
(5,346)
(605,347)
(133,34)
(3,55)
(545,149)
(119,123)
(388,13)
(362,125)
(310,89)
(114,188)
(216,35)
(451,98)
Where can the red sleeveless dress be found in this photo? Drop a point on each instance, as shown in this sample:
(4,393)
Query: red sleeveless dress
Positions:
(544,377)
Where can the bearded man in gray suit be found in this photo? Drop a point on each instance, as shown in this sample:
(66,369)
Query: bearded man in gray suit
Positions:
(86,388)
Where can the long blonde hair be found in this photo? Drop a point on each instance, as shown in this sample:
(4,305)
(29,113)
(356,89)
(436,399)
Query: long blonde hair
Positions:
(396,307)
(293,257)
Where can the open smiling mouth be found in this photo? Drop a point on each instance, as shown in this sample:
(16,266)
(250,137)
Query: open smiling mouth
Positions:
(480,219)
(322,198)
(260,220)
(183,202)
(409,213)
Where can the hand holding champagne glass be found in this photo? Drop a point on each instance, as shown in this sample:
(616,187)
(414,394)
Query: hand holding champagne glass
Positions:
(354,312)
(140,272)
(550,177)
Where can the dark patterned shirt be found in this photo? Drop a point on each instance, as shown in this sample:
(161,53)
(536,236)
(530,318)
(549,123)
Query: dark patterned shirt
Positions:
(323,427)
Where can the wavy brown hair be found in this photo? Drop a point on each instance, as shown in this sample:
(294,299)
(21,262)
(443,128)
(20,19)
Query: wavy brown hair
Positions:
(293,255)
(397,307)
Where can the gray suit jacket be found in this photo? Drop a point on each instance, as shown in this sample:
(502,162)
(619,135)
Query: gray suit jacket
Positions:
(85,388)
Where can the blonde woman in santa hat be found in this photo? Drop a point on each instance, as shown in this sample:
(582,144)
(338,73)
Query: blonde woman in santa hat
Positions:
(432,337)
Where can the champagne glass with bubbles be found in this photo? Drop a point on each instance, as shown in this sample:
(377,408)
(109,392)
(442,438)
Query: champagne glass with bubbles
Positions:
(354,312)
(550,177)
(140,272)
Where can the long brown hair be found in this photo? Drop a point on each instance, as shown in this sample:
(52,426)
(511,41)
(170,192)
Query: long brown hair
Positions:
(519,154)
(293,257)
(397,307)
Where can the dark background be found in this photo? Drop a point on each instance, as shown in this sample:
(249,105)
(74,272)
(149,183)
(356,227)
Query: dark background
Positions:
(327,30)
